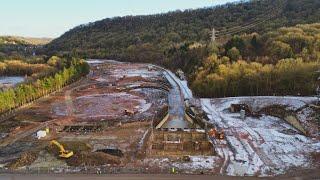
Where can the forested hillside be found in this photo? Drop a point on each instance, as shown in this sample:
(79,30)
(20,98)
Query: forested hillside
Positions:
(149,38)
(23,40)
(259,50)
(14,47)
(281,62)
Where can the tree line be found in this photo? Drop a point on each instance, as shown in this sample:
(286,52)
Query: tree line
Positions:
(33,68)
(25,93)
(219,77)
(300,41)
(280,62)
(18,67)
(148,38)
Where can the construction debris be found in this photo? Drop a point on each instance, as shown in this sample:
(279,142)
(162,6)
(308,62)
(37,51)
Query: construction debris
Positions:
(93,159)
(179,143)
(82,128)
(109,119)
(216,134)
(25,159)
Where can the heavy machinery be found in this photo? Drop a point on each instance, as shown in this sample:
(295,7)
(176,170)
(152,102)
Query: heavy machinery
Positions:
(180,74)
(215,134)
(63,153)
(129,112)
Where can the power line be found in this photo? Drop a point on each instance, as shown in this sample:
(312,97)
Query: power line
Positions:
(235,31)
(241,28)
(236,27)
(252,24)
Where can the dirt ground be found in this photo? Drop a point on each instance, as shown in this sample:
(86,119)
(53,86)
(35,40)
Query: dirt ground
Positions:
(105,119)
(120,99)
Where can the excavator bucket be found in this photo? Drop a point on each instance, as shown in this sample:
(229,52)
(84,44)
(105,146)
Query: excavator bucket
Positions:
(66,154)
(63,153)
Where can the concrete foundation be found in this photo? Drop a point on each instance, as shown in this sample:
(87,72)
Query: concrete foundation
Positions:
(179,143)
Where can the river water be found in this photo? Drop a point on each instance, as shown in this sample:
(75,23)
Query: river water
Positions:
(10,80)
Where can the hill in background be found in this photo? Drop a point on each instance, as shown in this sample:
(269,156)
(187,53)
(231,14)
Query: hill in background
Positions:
(17,47)
(149,38)
(24,40)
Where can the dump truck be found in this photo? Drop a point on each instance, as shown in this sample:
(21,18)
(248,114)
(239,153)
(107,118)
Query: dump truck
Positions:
(63,153)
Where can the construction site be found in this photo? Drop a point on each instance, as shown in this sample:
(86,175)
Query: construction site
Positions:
(141,118)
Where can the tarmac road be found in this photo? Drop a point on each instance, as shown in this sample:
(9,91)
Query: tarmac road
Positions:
(117,177)
(296,175)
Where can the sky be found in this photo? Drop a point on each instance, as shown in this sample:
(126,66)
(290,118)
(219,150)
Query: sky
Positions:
(51,18)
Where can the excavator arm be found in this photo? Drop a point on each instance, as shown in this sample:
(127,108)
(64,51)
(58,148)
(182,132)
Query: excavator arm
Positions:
(63,153)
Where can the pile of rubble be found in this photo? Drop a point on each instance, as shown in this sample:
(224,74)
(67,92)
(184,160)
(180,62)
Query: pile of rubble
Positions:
(93,159)
(25,159)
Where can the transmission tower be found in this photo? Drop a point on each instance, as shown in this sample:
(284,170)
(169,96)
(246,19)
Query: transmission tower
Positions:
(213,36)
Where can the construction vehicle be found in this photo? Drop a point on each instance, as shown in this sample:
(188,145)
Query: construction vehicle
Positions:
(63,153)
(150,68)
(215,134)
(180,74)
(129,112)
(186,158)
(42,133)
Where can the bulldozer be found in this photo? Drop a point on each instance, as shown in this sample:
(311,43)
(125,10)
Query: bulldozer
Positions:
(63,153)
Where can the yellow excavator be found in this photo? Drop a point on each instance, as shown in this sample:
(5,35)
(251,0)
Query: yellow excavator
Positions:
(63,153)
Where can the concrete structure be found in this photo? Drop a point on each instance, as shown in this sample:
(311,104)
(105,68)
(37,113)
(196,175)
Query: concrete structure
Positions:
(179,142)
(178,133)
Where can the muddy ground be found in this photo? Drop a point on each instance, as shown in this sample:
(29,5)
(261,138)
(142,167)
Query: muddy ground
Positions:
(106,119)
(120,99)
(265,144)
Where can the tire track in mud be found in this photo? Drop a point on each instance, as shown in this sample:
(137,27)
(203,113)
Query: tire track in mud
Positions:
(70,108)
(262,155)
(219,145)
(260,152)
(69,103)
(245,144)
(251,152)
(21,135)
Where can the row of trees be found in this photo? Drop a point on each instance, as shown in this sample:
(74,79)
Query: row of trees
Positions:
(18,67)
(25,93)
(219,77)
(35,67)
